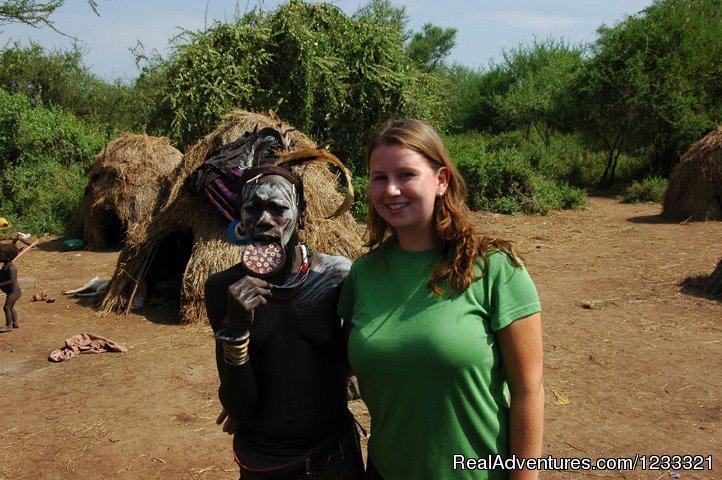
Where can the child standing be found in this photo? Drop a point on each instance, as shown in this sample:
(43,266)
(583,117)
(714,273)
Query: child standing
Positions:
(9,285)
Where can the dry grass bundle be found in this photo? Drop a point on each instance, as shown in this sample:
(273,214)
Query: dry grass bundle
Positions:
(187,238)
(123,189)
(695,186)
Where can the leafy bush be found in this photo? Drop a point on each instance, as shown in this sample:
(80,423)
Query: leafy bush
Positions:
(12,108)
(330,75)
(59,78)
(544,76)
(567,158)
(45,155)
(651,189)
(361,200)
(42,196)
(652,81)
(504,180)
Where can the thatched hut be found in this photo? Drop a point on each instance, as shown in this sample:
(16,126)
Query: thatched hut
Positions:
(123,188)
(695,186)
(186,240)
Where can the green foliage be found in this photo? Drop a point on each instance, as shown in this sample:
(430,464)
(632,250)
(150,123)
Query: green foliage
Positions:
(652,82)
(60,79)
(51,77)
(41,197)
(330,75)
(466,107)
(543,75)
(149,102)
(383,12)
(34,12)
(32,134)
(12,107)
(651,189)
(211,72)
(567,158)
(429,96)
(473,102)
(45,155)
(504,181)
(360,207)
(430,47)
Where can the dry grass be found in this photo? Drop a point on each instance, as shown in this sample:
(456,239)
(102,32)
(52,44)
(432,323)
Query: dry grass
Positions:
(124,187)
(695,187)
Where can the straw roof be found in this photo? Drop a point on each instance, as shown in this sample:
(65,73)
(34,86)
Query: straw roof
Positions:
(695,186)
(192,215)
(123,188)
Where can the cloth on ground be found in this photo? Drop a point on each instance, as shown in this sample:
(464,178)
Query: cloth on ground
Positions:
(85,343)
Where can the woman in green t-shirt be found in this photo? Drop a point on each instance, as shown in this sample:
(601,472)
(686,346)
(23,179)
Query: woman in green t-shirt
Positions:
(445,335)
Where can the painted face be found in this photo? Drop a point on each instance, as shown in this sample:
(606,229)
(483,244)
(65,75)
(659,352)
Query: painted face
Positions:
(403,188)
(269,212)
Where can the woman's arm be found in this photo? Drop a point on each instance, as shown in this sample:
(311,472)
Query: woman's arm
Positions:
(520,344)
(238,391)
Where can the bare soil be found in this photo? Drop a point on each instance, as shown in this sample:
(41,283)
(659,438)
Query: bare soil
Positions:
(633,364)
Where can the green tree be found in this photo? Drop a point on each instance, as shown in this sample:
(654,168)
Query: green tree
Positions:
(431,46)
(60,78)
(543,75)
(330,75)
(652,84)
(610,109)
(474,105)
(33,12)
(211,72)
(383,12)
(45,154)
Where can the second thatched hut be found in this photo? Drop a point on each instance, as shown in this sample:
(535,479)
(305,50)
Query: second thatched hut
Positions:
(695,186)
(124,187)
(186,240)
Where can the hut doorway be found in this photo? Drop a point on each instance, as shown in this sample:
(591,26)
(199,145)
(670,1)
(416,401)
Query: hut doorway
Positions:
(108,230)
(164,278)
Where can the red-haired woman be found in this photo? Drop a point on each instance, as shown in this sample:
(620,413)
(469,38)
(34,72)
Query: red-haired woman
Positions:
(445,333)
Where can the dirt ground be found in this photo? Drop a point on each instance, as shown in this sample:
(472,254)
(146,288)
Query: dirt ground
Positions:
(632,364)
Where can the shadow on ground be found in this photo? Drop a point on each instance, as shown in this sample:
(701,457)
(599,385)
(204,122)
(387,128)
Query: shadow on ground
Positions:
(699,286)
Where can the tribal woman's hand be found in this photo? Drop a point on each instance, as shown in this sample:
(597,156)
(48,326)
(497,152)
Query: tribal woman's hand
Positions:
(229,425)
(243,297)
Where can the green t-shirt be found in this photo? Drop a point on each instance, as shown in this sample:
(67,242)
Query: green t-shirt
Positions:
(428,367)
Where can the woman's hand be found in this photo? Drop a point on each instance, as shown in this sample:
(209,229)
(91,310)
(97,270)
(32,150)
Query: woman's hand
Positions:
(229,425)
(243,297)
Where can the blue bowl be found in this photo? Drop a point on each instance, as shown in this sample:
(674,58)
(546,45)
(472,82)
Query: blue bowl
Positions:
(73,244)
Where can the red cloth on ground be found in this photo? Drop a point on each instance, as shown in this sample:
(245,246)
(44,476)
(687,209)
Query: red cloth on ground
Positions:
(85,343)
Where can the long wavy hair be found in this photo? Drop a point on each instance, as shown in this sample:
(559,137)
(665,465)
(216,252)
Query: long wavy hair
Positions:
(453,233)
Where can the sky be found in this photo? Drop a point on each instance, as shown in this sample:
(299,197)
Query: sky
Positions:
(485,29)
